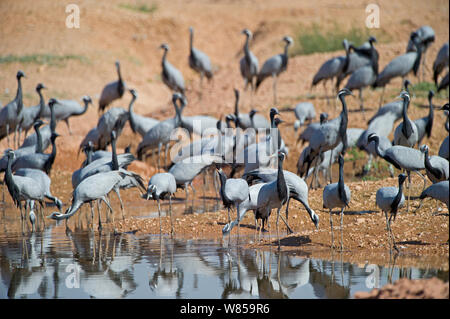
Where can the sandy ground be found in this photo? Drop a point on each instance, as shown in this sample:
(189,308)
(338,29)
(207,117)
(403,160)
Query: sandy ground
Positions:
(109,32)
(409,289)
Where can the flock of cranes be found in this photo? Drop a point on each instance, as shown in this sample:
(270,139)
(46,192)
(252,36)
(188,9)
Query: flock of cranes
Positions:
(243,141)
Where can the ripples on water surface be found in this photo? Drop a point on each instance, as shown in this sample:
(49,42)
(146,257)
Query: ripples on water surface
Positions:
(85,264)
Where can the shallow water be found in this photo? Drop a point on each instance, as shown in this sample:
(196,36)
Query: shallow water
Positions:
(87,264)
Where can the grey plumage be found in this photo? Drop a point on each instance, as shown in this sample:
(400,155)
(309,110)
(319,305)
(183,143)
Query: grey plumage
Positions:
(424,125)
(233,192)
(139,124)
(337,195)
(64,109)
(425,37)
(366,75)
(389,200)
(355,60)
(112,91)
(161,186)
(159,134)
(103,164)
(198,60)
(439,191)
(95,187)
(298,190)
(406,133)
(249,62)
(441,62)
(32,113)
(250,120)
(444,83)
(170,75)
(40,161)
(22,188)
(400,66)
(11,113)
(403,158)
(304,111)
(394,107)
(113,119)
(187,169)
(437,168)
(312,129)
(444,149)
(274,66)
(43,180)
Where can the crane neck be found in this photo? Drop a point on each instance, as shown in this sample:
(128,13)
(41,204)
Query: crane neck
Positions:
(114,160)
(397,199)
(131,113)
(343,123)
(418,58)
(430,118)
(429,167)
(39,140)
(379,152)
(407,126)
(341,184)
(52,118)
(88,156)
(19,95)
(281,183)
(41,105)
(191,39)
(12,188)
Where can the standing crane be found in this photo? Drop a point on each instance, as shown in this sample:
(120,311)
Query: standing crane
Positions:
(274,66)
(112,91)
(170,75)
(199,61)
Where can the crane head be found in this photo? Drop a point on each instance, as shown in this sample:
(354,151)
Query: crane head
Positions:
(430,94)
(278,121)
(424,148)
(52,102)
(372,137)
(20,74)
(133,93)
(288,40)
(345,92)
(404,95)
(323,117)
(247,32)
(56,216)
(274,111)
(165,46)
(40,86)
(38,123)
(10,153)
(87,99)
(445,107)
(401,178)
(372,39)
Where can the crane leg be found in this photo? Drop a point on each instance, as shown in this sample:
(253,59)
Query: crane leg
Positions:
(159,215)
(342,229)
(274,89)
(159,156)
(99,216)
(7,133)
(166,150)
(278,233)
(409,191)
(121,205)
(68,126)
(331,226)
(382,97)
(362,102)
(92,214)
(424,186)
(170,213)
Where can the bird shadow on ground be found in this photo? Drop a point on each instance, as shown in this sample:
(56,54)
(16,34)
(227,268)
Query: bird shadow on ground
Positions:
(353,212)
(412,242)
(291,241)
